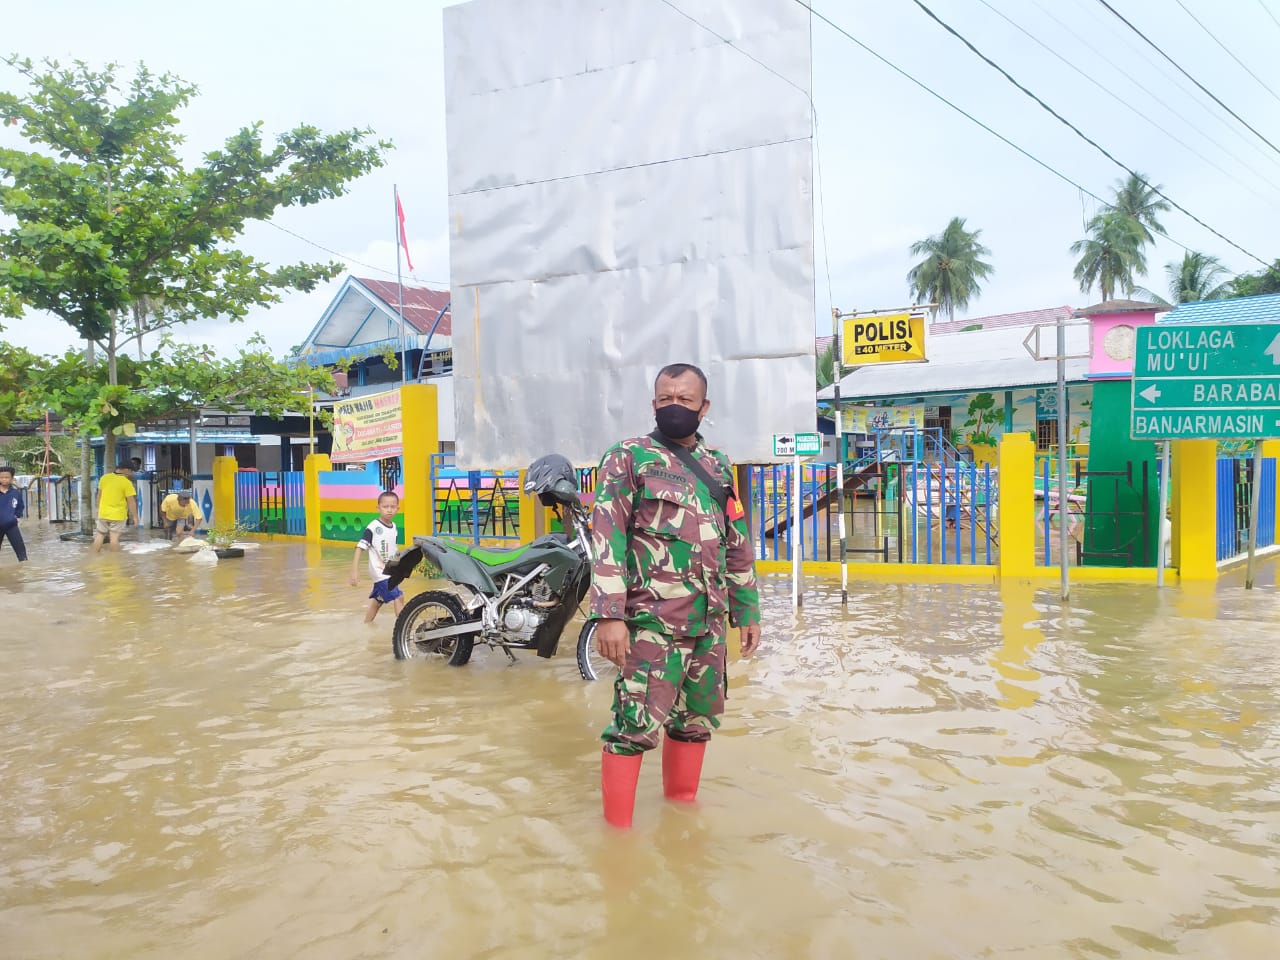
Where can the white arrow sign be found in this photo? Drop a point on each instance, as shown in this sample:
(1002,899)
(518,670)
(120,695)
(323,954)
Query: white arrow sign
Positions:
(1273,351)
(1152,392)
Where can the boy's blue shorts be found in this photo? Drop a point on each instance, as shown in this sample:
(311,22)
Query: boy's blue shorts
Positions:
(382,594)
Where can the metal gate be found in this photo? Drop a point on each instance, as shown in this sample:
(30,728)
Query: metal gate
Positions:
(1117,516)
(271,501)
(163,483)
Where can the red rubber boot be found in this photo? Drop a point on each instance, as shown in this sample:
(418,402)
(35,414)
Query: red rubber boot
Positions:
(618,776)
(682,769)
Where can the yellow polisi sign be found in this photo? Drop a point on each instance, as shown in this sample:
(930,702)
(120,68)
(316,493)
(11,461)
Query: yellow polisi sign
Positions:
(891,338)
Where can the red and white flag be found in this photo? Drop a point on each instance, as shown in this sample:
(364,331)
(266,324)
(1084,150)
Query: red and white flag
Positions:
(404,239)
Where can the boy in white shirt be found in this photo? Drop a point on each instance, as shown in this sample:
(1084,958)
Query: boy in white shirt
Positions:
(379,541)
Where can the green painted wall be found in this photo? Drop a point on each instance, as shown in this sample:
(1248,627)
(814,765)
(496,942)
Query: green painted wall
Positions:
(1112,450)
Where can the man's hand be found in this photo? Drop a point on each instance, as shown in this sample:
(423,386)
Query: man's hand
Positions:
(613,640)
(750,635)
(355,580)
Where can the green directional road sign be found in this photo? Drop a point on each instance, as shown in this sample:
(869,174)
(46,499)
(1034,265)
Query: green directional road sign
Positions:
(797,444)
(1207,382)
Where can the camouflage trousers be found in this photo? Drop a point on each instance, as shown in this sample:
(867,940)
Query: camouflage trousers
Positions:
(672,682)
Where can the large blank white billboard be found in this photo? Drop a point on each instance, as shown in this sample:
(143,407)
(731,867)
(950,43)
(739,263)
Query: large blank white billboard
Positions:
(627,190)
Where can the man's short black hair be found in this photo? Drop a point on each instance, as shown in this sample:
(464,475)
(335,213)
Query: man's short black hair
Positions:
(5,468)
(679,370)
(388,493)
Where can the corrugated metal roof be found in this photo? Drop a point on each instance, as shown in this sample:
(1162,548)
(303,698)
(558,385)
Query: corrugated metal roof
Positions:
(1026,318)
(1121,306)
(963,362)
(421,304)
(1260,309)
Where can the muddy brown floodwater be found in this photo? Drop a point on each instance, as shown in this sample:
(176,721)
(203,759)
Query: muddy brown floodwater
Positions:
(224,763)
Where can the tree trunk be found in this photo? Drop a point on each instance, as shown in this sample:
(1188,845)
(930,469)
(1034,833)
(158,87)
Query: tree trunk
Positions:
(86,470)
(113,378)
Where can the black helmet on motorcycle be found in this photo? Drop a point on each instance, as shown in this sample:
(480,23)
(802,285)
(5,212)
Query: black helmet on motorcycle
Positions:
(553,479)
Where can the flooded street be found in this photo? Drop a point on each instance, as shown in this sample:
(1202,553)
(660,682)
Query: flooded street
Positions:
(224,762)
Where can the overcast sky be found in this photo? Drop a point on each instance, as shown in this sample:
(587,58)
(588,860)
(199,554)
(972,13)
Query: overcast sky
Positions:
(897,163)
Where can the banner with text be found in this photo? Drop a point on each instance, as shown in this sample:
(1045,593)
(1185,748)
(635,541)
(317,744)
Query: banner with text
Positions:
(367,428)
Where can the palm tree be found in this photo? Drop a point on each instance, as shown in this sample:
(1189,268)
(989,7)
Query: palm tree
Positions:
(1194,279)
(826,366)
(951,272)
(1137,198)
(1111,256)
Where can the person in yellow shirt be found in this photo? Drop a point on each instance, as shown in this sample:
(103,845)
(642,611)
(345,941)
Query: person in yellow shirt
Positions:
(117,504)
(182,516)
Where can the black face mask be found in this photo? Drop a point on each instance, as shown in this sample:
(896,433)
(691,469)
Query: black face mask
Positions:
(677,422)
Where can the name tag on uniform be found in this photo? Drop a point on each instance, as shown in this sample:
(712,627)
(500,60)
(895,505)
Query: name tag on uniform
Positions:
(667,476)
(733,509)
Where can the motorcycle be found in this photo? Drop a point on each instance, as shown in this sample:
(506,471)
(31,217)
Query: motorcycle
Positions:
(514,599)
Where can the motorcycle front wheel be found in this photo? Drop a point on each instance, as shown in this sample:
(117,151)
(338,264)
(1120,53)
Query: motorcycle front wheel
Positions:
(426,612)
(591,665)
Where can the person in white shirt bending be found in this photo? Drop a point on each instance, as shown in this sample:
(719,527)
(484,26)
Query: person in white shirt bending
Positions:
(379,541)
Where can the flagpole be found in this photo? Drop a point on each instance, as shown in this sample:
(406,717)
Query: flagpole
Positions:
(404,350)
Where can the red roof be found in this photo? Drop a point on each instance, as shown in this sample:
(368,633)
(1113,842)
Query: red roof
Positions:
(1025,319)
(421,304)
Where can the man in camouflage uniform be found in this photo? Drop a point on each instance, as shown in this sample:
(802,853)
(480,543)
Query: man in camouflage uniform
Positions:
(671,563)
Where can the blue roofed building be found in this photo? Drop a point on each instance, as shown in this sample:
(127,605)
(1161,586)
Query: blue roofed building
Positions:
(1260,309)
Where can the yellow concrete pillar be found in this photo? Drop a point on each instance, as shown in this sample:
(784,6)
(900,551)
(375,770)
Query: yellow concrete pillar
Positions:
(1194,497)
(315,464)
(419,415)
(224,490)
(1271,448)
(529,507)
(1017,505)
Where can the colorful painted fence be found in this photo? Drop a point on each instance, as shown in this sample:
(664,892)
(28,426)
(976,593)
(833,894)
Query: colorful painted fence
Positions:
(473,504)
(897,513)
(271,502)
(1235,503)
(349,503)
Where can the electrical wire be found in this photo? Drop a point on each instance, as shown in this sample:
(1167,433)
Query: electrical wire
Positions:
(1077,131)
(1124,103)
(1268,12)
(1119,16)
(1215,39)
(1173,78)
(441,284)
(1083,190)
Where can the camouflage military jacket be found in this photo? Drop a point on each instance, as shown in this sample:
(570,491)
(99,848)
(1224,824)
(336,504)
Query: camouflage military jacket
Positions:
(666,557)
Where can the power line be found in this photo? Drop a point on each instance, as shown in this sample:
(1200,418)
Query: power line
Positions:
(1202,87)
(968,116)
(360,263)
(1078,132)
(1173,78)
(1120,100)
(1268,12)
(1213,37)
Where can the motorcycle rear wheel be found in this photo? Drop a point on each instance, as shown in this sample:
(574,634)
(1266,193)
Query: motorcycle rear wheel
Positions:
(429,611)
(591,664)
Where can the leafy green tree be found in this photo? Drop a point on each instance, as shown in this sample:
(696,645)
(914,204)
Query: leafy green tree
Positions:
(175,380)
(113,234)
(1111,255)
(1196,277)
(952,270)
(31,455)
(17,367)
(1256,284)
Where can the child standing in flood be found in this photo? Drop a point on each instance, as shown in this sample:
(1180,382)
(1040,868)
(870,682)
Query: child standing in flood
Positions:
(379,542)
(12,506)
